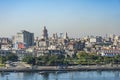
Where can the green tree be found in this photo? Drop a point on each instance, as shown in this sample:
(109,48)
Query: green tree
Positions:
(82,54)
(117,59)
(50,60)
(11,57)
(2,59)
(29,60)
(83,58)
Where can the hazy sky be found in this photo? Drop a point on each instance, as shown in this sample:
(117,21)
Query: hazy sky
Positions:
(77,17)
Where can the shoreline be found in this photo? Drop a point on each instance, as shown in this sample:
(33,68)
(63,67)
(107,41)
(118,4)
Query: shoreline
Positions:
(53,69)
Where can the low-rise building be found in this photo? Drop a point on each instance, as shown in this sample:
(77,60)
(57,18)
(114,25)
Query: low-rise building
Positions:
(21,53)
(109,52)
(4,52)
(5,43)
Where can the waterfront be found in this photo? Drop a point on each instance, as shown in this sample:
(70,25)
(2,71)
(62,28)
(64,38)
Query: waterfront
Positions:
(75,75)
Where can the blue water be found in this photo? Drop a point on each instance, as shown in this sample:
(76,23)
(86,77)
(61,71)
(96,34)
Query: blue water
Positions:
(77,75)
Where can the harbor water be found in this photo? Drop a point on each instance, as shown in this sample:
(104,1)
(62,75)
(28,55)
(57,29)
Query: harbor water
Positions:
(74,75)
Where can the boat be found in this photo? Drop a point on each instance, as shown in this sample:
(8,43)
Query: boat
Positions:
(42,72)
(58,72)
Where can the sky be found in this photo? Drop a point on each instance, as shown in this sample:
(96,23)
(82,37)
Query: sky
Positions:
(77,17)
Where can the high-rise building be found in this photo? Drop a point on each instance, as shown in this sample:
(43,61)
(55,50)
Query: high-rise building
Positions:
(65,35)
(24,37)
(43,43)
(45,34)
(55,36)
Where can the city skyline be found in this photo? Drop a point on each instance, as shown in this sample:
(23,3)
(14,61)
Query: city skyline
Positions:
(77,17)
